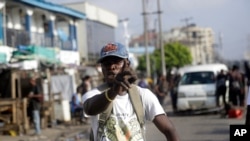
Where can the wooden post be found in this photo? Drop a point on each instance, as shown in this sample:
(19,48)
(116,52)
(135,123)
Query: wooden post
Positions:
(51,98)
(13,85)
(25,117)
(19,85)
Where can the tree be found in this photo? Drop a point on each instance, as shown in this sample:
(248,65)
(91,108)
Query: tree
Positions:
(176,55)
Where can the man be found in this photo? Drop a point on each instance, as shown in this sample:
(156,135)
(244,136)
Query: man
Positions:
(236,87)
(221,88)
(123,123)
(143,82)
(161,88)
(35,99)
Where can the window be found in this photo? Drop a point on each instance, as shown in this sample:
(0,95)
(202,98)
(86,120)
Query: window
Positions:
(197,78)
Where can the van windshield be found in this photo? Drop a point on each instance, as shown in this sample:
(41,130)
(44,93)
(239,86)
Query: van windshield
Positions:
(193,78)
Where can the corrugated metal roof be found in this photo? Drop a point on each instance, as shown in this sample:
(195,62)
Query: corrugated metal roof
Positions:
(54,7)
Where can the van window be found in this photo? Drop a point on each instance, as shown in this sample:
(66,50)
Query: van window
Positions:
(192,78)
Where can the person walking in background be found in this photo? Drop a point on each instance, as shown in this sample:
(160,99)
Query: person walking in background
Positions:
(235,86)
(221,88)
(161,88)
(173,85)
(35,100)
(86,84)
(143,82)
(123,121)
(83,88)
(75,104)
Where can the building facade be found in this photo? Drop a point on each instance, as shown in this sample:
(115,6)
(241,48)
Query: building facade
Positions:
(199,40)
(43,29)
(95,31)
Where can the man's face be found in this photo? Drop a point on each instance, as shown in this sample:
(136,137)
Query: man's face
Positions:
(33,82)
(111,66)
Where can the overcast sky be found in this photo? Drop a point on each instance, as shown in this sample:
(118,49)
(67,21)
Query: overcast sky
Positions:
(229,17)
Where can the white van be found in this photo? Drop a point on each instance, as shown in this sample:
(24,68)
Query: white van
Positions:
(197,87)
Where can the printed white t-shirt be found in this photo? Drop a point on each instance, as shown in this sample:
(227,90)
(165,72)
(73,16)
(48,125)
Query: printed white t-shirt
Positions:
(123,124)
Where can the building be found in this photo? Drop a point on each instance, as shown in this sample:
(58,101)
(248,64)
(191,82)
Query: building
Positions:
(138,40)
(95,31)
(38,30)
(200,41)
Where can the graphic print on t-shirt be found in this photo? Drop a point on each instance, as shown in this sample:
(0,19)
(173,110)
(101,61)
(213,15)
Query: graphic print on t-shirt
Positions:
(122,129)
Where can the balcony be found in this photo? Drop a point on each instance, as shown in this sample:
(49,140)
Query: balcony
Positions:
(21,37)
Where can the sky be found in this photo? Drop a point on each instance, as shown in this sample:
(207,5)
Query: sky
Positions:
(228,18)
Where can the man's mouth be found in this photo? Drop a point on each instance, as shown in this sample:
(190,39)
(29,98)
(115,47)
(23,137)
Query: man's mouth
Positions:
(111,76)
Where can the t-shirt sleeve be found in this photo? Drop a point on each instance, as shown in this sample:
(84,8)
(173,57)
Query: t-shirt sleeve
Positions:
(151,104)
(90,94)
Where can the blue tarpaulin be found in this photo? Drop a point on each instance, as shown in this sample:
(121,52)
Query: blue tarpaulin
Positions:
(37,53)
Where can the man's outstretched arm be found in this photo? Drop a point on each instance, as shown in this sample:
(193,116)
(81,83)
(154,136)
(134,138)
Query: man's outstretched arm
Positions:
(163,123)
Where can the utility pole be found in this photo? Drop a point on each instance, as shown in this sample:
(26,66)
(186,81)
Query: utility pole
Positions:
(126,34)
(146,37)
(163,65)
(220,40)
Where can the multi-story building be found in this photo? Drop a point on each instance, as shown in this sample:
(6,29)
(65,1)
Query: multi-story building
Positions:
(139,40)
(200,41)
(95,31)
(45,30)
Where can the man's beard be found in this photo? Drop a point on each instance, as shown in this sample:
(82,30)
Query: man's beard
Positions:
(110,78)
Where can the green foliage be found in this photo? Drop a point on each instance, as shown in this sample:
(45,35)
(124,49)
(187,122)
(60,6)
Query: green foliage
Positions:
(142,63)
(176,55)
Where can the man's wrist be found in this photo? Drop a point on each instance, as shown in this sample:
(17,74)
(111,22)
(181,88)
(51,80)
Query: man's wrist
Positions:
(107,97)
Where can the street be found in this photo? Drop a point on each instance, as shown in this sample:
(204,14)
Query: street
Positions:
(206,127)
(197,128)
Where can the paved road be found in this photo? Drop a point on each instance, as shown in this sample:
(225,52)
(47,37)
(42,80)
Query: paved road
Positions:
(190,128)
(206,127)
(197,128)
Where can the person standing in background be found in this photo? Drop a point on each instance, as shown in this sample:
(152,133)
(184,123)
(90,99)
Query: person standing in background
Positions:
(83,88)
(235,86)
(221,87)
(85,85)
(161,88)
(35,100)
(143,82)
